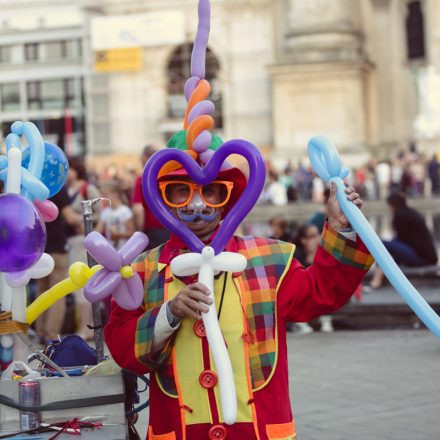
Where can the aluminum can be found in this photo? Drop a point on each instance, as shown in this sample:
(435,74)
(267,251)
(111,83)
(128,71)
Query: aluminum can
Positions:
(29,395)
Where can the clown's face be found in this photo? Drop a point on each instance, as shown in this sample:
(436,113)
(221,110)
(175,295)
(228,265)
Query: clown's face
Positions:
(198,207)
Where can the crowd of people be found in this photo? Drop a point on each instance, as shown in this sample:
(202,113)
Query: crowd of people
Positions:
(127,212)
(409,173)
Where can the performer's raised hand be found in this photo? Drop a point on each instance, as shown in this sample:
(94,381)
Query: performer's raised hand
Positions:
(336,218)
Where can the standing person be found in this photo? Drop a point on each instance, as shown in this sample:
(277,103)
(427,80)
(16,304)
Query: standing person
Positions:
(116,221)
(307,243)
(434,175)
(50,323)
(166,335)
(383,176)
(79,189)
(144,219)
(276,193)
(169,320)
(413,244)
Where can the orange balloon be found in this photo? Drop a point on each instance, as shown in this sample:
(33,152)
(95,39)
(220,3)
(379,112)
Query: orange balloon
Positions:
(173,165)
(200,93)
(199,124)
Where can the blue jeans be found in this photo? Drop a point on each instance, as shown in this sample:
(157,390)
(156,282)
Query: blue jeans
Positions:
(403,254)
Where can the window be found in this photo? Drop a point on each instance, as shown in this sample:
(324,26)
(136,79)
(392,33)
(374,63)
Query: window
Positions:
(31,52)
(55,50)
(73,49)
(415,34)
(53,95)
(10,95)
(5,54)
(179,70)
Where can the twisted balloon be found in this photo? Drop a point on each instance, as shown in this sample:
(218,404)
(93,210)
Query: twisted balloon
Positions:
(325,160)
(116,278)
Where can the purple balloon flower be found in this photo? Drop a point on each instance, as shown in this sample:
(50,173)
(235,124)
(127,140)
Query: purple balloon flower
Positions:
(116,278)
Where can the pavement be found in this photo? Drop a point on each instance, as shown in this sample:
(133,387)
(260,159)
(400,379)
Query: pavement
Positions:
(363,385)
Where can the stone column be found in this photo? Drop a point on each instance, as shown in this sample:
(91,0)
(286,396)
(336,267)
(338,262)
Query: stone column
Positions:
(323,30)
(321,81)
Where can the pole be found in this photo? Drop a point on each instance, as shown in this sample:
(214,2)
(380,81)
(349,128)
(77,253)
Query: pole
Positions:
(87,210)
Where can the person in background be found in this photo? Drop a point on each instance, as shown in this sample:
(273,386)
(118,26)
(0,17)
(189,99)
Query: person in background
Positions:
(318,218)
(144,220)
(434,175)
(79,189)
(48,326)
(307,242)
(280,229)
(115,222)
(276,193)
(413,244)
(383,177)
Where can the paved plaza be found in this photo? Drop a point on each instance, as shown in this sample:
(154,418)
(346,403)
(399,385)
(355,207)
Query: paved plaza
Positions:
(363,385)
(366,385)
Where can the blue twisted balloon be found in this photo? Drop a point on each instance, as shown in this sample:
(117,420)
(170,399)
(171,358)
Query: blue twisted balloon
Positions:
(325,160)
(32,187)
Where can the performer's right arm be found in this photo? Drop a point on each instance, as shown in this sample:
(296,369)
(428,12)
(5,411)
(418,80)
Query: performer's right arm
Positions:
(141,340)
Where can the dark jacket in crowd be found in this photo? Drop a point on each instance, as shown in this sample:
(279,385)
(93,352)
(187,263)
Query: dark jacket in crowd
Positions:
(411,229)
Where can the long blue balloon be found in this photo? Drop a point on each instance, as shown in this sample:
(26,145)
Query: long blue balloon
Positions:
(325,160)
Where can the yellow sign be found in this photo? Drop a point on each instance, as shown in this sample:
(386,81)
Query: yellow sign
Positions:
(118,60)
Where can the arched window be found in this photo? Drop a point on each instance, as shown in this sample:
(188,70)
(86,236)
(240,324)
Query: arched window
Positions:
(179,70)
(415,32)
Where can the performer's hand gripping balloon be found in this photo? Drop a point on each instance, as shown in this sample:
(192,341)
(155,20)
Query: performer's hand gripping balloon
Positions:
(211,329)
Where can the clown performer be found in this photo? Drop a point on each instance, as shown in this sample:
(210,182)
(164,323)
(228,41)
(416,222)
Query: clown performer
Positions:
(168,336)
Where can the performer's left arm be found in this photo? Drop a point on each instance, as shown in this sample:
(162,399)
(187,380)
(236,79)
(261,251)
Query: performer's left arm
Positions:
(340,264)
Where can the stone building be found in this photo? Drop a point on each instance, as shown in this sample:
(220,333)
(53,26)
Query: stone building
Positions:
(363,72)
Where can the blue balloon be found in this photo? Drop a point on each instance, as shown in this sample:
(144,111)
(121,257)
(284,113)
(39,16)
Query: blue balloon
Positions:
(325,160)
(55,167)
(6,354)
(31,185)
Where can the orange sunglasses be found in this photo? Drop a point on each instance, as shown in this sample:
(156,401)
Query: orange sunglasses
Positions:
(215,194)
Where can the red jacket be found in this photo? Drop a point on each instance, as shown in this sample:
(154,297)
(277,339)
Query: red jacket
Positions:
(339,266)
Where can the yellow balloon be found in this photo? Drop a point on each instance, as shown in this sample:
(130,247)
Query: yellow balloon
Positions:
(79,274)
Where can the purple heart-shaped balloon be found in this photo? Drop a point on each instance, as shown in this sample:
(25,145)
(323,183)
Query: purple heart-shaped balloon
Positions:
(204,176)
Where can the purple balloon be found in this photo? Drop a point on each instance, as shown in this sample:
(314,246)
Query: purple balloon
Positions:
(201,41)
(204,176)
(22,233)
(202,141)
(200,109)
(190,85)
(127,292)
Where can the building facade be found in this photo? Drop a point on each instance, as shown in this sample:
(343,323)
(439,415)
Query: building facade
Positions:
(363,72)
(41,69)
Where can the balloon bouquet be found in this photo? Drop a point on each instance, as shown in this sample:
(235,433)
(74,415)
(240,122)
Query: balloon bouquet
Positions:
(32,175)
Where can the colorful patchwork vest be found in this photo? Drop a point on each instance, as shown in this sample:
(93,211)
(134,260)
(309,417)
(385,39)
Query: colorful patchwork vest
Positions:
(268,261)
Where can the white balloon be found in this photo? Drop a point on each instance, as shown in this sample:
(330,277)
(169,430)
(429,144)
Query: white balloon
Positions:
(14,171)
(42,268)
(186,264)
(206,264)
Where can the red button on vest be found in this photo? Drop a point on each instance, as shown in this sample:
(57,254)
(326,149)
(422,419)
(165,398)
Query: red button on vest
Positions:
(217,432)
(199,329)
(208,379)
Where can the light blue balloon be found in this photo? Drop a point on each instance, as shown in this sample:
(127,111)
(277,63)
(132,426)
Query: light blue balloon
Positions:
(6,354)
(55,168)
(325,160)
(31,184)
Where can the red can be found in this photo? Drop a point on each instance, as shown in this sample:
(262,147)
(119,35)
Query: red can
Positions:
(29,395)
